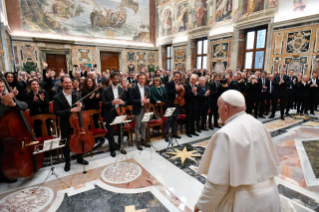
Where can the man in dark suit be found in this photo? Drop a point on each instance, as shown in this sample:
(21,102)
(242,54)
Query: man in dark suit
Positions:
(63,108)
(291,90)
(140,95)
(131,78)
(232,82)
(263,83)
(166,77)
(313,92)
(191,105)
(215,92)
(203,104)
(269,96)
(172,88)
(281,82)
(112,98)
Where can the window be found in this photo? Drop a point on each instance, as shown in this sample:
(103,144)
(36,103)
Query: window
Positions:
(201,53)
(168,57)
(255,48)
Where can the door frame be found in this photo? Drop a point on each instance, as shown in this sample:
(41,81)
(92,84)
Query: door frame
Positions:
(122,58)
(67,52)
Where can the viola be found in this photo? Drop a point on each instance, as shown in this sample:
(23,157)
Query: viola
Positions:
(180,100)
(82,140)
(18,140)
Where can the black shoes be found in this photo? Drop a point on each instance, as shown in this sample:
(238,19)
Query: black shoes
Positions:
(189,135)
(6,180)
(67,167)
(282,118)
(262,117)
(138,145)
(217,126)
(113,154)
(195,134)
(204,129)
(123,151)
(199,131)
(166,138)
(176,136)
(271,117)
(146,144)
(83,162)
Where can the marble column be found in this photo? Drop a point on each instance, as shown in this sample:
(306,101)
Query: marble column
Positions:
(189,54)
(234,54)
(7,54)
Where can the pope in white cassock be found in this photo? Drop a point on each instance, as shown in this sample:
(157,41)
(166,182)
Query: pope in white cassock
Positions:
(240,162)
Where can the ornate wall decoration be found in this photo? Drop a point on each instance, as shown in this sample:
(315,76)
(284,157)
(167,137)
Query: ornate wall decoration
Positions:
(84,55)
(219,66)
(317,41)
(276,64)
(151,57)
(131,56)
(181,21)
(199,13)
(131,67)
(298,42)
(33,65)
(28,52)
(220,50)
(85,66)
(250,6)
(296,64)
(315,64)
(141,57)
(16,55)
(140,67)
(93,55)
(167,23)
(224,9)
(180,67)
(279,38)
(180,54)
(151,67)
(74,55)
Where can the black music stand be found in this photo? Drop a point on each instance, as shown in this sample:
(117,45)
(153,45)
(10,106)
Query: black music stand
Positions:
(146,118)
(169,113)
(48,146)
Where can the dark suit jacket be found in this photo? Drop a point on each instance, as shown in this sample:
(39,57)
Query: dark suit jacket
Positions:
(108,110)
(234,85)
(280,89)
(62,109)
(135,98)
(202,99)
(267,84)
(131,81)
(191,101)
(293,85)
(215,92)
(171,93)
(39,107)
(313,90)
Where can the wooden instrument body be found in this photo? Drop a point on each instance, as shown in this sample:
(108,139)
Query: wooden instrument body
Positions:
(81,133)
(18,160)
(180,100)
(120,110)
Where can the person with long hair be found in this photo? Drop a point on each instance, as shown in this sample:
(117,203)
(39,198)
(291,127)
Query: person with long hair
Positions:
(38,103)
(16,87)
(48,84)
(158,92)
(75,85)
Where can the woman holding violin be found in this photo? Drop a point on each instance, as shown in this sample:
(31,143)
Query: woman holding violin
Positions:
(38,103)
(113,102)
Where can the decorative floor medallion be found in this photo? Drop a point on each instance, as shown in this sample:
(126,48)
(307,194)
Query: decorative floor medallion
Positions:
(27,200)
(184,154)
(123,172)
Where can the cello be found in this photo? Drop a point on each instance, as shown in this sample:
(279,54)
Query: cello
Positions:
(82,140)
(18,140)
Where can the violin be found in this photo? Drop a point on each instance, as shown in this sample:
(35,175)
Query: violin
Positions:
(18,140)
(179,100)
(120,110)
(82,140)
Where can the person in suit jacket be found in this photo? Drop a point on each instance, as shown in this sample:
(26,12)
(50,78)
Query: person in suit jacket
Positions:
(38,103)
(269,96)
(303,95)
(131,79)
(292,87)
(191,105)
(252,95)
(215,92)
(263,84)
(203,99)
(172,89)
(63,108)
(281,82)
(233,83)
(113,96)
(313,92)
(140,95)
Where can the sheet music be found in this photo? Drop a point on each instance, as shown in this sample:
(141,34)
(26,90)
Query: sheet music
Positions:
(169,111)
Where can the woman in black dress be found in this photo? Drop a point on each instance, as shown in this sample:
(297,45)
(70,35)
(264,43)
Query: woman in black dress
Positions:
(252,94)
(303,95)
(17,88)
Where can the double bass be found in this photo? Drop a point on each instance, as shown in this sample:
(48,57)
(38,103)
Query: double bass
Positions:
(18,140)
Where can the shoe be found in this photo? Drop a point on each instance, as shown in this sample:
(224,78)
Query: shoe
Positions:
(199,131)
(83,162)
(306,113)
(67,167)
(113,154)
(9,181)
(138,145)
(282,118)
(301,114)
(217,126)
(146,144)
(204,129)
(287,114)
(195,134)
(262,117)
(312,113)
(189,135)
(123,151)
(176,136)
(266,114)
(211,128)
(166,138)
(271,117)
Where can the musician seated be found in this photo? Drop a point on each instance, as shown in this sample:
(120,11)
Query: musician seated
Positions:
(38,103)
(6,103)
(63,108)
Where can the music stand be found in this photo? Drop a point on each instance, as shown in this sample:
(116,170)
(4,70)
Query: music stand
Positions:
(48,146)
(168,113)
(146,118)
(120,120)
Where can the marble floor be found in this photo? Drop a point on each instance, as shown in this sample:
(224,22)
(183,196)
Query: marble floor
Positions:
(160,179)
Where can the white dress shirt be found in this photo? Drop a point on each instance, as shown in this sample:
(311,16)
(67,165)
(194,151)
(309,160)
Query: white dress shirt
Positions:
(115,90)
(68,98)
(142,91)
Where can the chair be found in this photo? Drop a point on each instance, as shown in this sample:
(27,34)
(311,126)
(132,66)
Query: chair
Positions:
(158,122)
(51,107)
(181,118)
(97,132)
(129,128)
(45,133)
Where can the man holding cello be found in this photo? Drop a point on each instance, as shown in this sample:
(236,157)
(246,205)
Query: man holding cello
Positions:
(63,108)
(113,102)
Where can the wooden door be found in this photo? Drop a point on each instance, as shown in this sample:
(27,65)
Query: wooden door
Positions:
(110,61)
(56,62)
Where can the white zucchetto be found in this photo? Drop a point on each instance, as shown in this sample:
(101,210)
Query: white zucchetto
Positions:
(234,98)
